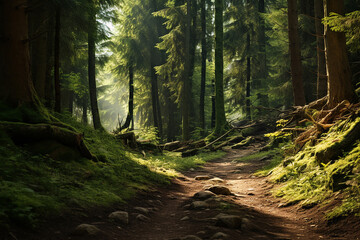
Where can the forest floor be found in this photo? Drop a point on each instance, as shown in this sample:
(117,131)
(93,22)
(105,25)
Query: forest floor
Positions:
(169,216)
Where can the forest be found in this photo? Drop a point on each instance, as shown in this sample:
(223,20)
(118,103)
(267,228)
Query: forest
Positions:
(179,119)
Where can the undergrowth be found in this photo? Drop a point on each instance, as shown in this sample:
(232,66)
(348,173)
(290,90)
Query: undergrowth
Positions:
(305,180)
(44,179)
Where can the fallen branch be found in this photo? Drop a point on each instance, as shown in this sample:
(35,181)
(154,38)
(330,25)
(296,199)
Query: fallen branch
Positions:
(217,139)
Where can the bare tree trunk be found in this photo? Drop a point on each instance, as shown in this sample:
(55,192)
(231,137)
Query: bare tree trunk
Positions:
(220,120)
(295,55)
(15,80)
(338,69)
(91,70)
(203,66)
(186,95)
(321,89)
(130,114)
(38,28)
(84,118)
(57,61)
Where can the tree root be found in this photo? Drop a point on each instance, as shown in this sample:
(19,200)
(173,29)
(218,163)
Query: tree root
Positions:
(25,133)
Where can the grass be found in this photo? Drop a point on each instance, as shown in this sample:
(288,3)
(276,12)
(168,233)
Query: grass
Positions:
(276,158)
(43,179)
(306,181)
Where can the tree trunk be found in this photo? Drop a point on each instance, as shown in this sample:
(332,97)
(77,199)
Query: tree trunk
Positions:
(49,84)
(154,96)
(220,120)
(186,95)
(57,61)
(213,109)
(193,44)
(203,66)
(84,118)
(321,89)
(248,77)
(337,63)
(295,55)
(262,48)
(91,69)
(15,80)
(130,114)
(38,46)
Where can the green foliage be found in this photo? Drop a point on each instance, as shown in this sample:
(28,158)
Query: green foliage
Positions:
(310,183)
(350,24)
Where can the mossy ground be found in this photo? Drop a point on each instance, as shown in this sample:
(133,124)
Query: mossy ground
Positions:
(303,179)
(44,179)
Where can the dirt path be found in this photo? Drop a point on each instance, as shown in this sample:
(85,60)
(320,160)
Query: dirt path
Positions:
(252,201)
(171,218)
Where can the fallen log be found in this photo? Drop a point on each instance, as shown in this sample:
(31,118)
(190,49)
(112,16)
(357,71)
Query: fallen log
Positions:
(170,146)
(22,133)
(336,147)
(127,139)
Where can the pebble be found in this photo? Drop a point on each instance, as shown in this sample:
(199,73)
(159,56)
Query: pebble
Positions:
(191,237)
(141,210)
(120,216)
(220,235)
(199,205)
(216,180)
(86,230)
(203,195)
(185,218)
(221,190)
(142,217)
(202,177)
(229,221)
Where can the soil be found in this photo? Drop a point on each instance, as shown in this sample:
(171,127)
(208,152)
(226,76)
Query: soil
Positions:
(263,216)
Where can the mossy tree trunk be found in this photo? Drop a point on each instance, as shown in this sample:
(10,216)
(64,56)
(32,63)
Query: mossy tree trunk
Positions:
(338,68)
(295,55)
(130,114)
(220,120)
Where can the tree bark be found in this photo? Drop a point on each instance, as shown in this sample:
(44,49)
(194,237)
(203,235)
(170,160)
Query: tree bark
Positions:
(248,77)
(203,66)
(91,69)
(155,98)
(84,118)
(220,120)
(185,106)
(321,86)
(262,48)
(295,55)
(57,61)
(337,63)
(15,80)
(130,114)
(38,28)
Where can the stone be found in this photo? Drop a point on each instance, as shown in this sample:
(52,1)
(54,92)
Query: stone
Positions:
(202,177)
(141,210)
(199,205)
(191,237)
(220,190)
(216,180)
(229,221)
(203,195)
(86,230)
(158,203)
(142,218)
(185,218)
(120,216)
(220,235)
